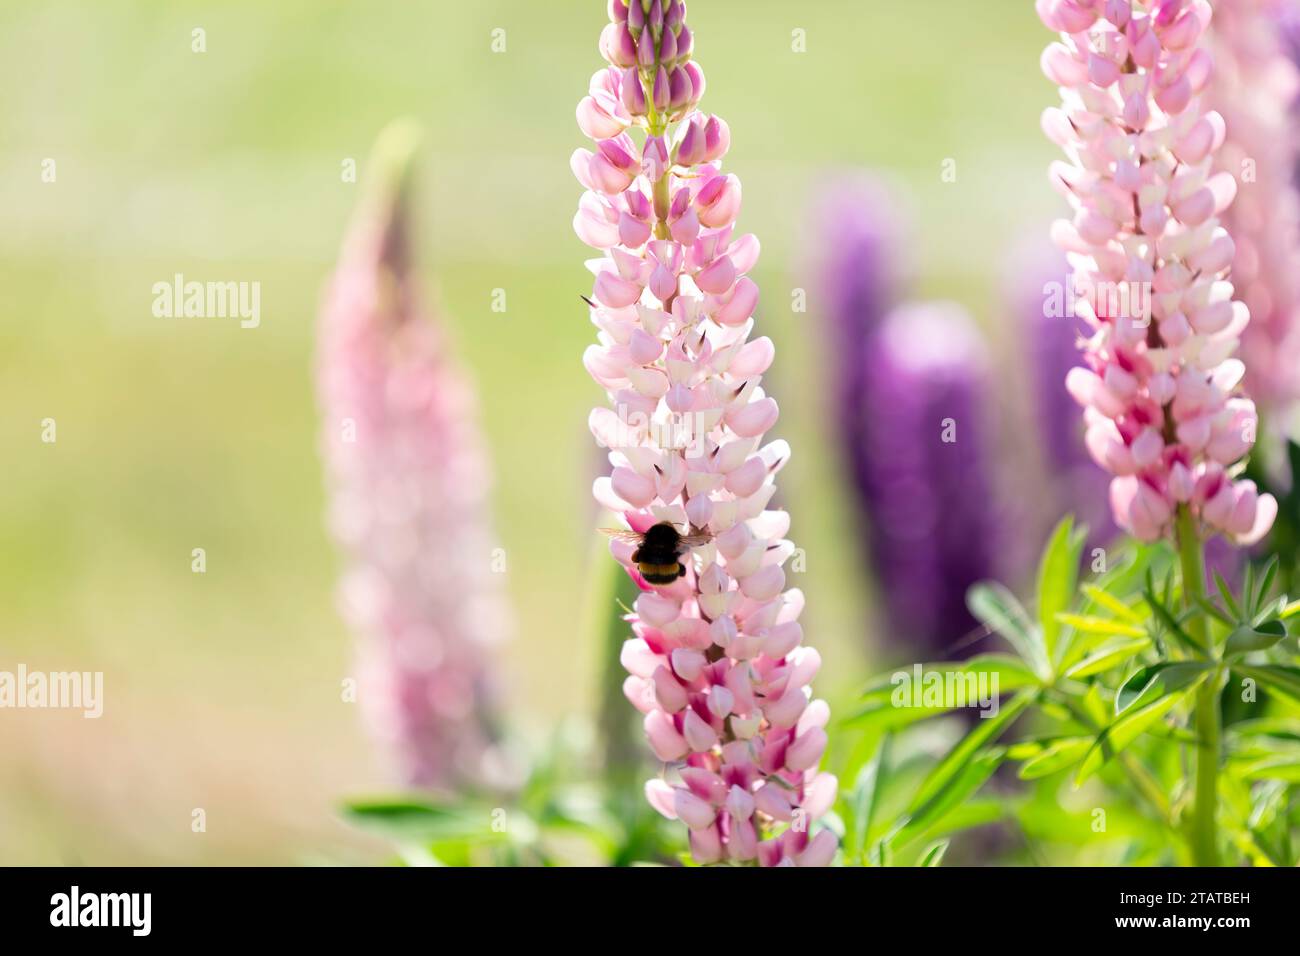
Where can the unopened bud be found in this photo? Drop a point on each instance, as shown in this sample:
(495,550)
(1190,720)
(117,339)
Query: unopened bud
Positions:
(661,90)
(632,93)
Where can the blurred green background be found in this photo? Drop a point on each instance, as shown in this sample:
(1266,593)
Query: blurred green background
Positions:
(222,689)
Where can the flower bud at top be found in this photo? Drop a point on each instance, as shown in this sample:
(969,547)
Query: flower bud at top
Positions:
(668,48)
(655,18)
(661,90)
(645,49)
(675,15)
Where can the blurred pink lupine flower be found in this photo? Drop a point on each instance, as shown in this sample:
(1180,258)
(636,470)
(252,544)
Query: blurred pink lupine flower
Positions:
(1254,88)
(716,664)
(408,479)
(1150,260)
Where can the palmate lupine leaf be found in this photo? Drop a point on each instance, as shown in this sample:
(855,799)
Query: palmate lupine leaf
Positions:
(1212,609)
(995,606)
(1111,603)
(1058,574)
(1267,577)
(865,799)
(937,811)
(878,710)
(1109,655)
(986,732)
(1059,754)
(1127,728)
(1245,639)
(1170,621)
(1104,626)
(1229,601)
(1156,681)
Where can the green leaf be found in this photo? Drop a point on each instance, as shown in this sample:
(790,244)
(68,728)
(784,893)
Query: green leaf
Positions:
(880,710)
(423,822)
(1108,656)
(1111,603)
(1058,755)
(1265,583)
(1058,576)
(1100,625)
(1127,729)
(1291,610)
(997,607)
(1157,680)
(986,730)
(866,796)
(949,802)
(1212,609)
(1284,728)
(1172,623)
(1246,639)
(1229,601)
(1273,768)
(933,855)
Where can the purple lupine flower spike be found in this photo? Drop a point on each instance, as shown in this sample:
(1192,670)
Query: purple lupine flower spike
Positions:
(857,234)
(1038,290)
(926,487)
(407,478)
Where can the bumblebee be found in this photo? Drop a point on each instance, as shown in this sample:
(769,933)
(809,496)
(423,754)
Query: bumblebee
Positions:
(659,551)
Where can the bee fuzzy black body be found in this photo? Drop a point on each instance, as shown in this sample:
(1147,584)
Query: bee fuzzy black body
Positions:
(660,551)
(659,556)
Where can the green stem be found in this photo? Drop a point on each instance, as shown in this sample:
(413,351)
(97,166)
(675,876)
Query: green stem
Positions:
(1204,827)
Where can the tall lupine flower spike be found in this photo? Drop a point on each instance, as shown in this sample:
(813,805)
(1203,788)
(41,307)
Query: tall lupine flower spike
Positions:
(1161,389)
(407,478)
(1254,87)
(926,485)
(856,234)
(715,663)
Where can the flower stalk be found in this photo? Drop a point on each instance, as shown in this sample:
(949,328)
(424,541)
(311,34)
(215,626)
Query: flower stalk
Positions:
(1204,821)
(715,662)
(1161,388)
(407,476)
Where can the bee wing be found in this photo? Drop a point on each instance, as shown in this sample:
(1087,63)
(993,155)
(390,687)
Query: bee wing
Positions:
(694,540)
(618,534)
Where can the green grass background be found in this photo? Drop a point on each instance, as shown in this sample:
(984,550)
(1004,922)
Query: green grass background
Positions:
(223,688)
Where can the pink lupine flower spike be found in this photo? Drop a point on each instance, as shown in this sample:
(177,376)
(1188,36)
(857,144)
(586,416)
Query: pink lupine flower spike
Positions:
(408,477)
(716,662)
(1161,388)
